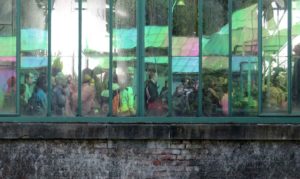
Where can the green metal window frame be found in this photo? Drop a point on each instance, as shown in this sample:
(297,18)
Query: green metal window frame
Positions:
(140,53)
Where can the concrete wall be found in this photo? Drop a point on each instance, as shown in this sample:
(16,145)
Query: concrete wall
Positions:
(78,151)
(148,159)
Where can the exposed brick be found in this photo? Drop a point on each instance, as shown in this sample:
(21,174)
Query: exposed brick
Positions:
(135,159)
(167,157)
(158,144)
(165,151)
(185,152)
(184,157)
(177,146)
(176,151)
(101,145)
(156,162)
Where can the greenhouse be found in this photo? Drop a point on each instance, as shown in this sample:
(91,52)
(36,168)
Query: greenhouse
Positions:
(137,59)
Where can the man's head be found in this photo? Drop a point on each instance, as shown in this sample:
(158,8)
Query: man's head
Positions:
(41,82)
(29,78)
(297,49)
(61,79)
(151,72)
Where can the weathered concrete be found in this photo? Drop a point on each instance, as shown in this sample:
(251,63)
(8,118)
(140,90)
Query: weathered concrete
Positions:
(149,159)
(103,150)
(150,131)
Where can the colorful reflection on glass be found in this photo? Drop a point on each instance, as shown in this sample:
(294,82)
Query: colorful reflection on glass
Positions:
(95,59)
(274,88)
(7,57)
(156,60)
(215,58)
(64,67)
(124,58)
(185,60)
(34,58)
(244,58)
(296,56)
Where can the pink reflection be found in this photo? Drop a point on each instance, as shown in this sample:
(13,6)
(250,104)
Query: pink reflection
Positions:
(7,59)
(185,46)
(191,47)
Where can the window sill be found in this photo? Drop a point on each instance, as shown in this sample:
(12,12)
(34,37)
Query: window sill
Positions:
(149,131)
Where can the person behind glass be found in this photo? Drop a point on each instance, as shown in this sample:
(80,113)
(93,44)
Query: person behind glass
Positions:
(181,97)
(11,86)
(59,94)
(211,100)
(224,101)
(2,98)
(296,76)
(10,95)
(70,89)
(151,91)
(127,103)
(23,102)
(88,94)
(163,95)
(98,81)
(37,103)
(29,85)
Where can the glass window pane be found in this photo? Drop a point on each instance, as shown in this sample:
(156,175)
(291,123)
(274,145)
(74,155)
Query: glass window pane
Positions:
(274,57)
(7,57)
(215,57)
(64,80)
(185,60)
(34,61)
(244,58)
(95,59)
(124,58)
(296,56)
(156,58)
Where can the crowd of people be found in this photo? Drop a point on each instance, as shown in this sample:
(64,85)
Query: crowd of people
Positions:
(95,94)
(8,95)
(185,96)
(64,93)
(33,94)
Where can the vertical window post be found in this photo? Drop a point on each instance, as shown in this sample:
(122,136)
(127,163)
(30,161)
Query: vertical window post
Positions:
(18,51)
(230,58)
(170,76)
(140,55)
(289,6)
(110,76)
(260,56)
(200,32)
(79,112)
(49,58)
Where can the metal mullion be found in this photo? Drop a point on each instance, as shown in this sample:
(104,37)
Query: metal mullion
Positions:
(259,56)
(110,113)
(289,56)
(79,112)
(200,34)
(170,77)
(140,53)
(18,54)
(137,54)
(49,58)
(230,58)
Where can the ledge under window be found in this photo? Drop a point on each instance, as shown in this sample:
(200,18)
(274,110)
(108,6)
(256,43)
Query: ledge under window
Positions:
(149,131)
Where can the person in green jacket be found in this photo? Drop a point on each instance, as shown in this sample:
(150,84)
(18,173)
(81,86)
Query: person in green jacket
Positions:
(127,97)
(29,86)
